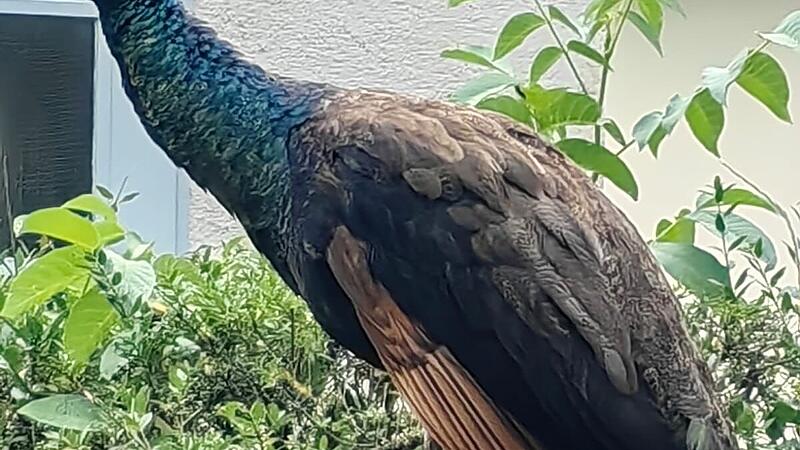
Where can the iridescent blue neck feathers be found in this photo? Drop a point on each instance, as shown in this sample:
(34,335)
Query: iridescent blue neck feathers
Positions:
(222,118)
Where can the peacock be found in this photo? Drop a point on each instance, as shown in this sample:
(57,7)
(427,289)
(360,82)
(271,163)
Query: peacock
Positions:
(512,304)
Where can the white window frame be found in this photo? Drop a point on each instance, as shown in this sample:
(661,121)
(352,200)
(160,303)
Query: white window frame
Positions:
(172,233)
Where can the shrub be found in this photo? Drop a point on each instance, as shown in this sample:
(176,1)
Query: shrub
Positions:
(111,346)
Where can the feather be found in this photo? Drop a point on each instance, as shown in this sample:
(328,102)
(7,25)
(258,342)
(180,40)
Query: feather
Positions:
(453,408)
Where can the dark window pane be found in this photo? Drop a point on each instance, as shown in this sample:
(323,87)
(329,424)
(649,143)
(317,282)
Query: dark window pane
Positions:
(46,112)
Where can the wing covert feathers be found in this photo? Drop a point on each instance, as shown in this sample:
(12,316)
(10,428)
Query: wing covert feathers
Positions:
(452,407)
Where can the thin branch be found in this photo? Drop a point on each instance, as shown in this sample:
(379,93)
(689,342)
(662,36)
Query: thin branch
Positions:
(610,47)
(781,212)
(560,43)
(725,251)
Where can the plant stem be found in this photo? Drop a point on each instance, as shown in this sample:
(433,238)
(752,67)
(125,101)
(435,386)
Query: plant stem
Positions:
(781,212)
(560,43)
(725,252)
(601,98)
(625,147)
(610,47)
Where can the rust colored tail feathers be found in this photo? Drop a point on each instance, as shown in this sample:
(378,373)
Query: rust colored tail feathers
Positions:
(454,410)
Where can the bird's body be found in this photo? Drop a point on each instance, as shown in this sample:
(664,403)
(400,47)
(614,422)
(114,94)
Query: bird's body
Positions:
(513,305)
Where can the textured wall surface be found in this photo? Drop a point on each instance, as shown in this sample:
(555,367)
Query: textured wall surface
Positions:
(386,44)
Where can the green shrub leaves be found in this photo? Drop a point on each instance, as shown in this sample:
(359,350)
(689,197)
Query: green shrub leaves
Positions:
(763,78)
(544,60)
(706,119)
(71,412)
(471,54)
(693,267)
(514,33)
(598,159)
(64,225)
(555,108)
(59,270)
(87,325)
(487,84)
(587,52)
(510,106)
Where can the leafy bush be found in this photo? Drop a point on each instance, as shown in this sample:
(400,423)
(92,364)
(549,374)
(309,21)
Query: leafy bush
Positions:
(106,345)
(741,307)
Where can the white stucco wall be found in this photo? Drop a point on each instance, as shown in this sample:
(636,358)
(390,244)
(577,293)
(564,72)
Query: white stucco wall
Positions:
(386,44)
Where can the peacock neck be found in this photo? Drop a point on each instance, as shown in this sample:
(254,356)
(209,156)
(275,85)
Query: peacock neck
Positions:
(221,118)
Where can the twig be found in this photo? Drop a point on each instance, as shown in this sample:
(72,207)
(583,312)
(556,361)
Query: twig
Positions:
(564,50)
(723,232)
(781,212)
(610,47)
(625,147)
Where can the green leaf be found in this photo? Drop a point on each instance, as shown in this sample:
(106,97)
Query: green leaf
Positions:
(764,79)
(508,106)
(651,129)
(514,33)
(675,111)
(587,52)
(54,272)
(597,10)
(72,412)
(653,14)
(558,15)
(782,414)
(598,159)
(780,39)
(719,79)
(168,266)
(109,232)
(787,34)
(736,227)
(652,35)
(138,277)
(650,22)
(613,130)
(544,61)
(87,325)
(471,54)
(706,119)
(487,84)
(92,204)
(655,141)
(745,422)
(593,30)
(696,269)
(111,362)
(662,226)
(785,412)
(454,3)
(674,5)
(735,196)
(554,108)
(645,128)
(62,224)
(680,231)
(105,193)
